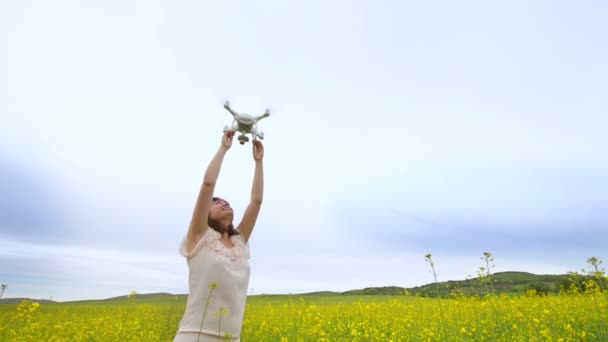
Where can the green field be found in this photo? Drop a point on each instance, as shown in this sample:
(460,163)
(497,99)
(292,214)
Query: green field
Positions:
(508,306)
(564,317)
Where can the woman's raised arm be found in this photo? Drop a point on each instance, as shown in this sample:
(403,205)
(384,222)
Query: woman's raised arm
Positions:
(257,193)
(198,224)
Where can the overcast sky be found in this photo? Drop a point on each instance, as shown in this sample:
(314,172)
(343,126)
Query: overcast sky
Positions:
(397,129)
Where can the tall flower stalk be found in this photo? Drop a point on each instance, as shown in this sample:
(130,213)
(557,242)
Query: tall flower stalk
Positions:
(212,287)
(432,264)
(2,288)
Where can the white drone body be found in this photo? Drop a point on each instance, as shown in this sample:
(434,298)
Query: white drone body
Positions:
(245,124)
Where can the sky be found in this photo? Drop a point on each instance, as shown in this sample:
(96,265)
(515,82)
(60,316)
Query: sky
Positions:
(397,129)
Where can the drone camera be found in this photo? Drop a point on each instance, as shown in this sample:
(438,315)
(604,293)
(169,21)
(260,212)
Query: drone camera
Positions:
(243,139)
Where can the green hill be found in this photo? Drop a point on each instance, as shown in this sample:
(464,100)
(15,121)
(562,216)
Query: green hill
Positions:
(143,296)
(19,300)
(512,283)
(498,283)
(386,290)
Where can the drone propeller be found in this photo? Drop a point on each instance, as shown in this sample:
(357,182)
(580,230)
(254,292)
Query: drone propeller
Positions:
(271,110)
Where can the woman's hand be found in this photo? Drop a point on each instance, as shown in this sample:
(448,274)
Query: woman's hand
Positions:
(258,150)
(227,139)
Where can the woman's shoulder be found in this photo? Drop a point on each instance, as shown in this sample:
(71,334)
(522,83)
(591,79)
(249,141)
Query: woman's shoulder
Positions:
(205,238)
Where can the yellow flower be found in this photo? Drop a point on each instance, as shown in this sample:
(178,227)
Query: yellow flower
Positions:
(563,317)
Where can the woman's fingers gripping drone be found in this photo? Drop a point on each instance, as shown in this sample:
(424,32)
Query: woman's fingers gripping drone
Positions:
(227,138)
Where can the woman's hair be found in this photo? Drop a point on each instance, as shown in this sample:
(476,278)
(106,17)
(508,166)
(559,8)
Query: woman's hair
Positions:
(219,227)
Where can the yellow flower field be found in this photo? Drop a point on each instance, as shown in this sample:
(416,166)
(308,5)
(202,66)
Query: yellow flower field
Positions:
(564,317)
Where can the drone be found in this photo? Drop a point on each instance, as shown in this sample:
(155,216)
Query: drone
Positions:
(245,124)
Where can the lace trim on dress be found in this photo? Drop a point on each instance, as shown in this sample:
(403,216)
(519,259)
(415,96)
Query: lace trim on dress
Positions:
(211,239)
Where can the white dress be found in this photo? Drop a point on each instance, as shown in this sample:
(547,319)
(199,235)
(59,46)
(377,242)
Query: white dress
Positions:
(222,272)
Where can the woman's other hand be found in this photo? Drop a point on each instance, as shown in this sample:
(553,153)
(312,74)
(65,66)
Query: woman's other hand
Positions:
(258,150)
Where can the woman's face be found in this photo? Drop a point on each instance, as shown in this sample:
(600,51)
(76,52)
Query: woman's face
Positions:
(220,209)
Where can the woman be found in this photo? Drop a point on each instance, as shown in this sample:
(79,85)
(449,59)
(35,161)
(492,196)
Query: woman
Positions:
(217,255)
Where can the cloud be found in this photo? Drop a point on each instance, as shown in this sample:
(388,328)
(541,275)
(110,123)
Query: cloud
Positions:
(451,140)
(30,207)
(516,211)
(69,272)
(501,197)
